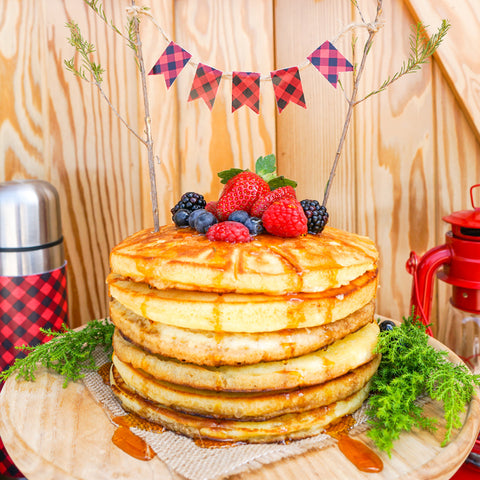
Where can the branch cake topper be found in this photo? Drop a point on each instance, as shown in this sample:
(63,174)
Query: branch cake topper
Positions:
(286,82)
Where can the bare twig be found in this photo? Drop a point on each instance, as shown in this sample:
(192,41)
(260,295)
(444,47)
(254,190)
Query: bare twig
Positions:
(351,103)
(148,124)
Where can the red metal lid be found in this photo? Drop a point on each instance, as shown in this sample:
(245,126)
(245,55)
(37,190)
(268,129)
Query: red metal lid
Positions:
(469,219)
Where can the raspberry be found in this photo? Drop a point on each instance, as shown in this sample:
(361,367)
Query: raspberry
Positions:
(233,232)
(240,193)
(285,218)
(316,214)
(190,201)
(264,202)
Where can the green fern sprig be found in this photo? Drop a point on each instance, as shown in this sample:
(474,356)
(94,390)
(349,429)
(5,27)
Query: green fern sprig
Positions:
(421,49)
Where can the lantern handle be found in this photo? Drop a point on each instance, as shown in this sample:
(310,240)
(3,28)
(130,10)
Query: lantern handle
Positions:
(471,195)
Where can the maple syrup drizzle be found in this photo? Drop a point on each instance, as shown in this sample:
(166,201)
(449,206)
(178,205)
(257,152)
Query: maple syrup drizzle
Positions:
(132,444)
(207,443)
(104,372)
(361,455)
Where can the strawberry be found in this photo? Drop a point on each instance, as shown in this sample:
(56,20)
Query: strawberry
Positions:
(240,193)
(259,207)
(232,232)
(211,207)
(285,218)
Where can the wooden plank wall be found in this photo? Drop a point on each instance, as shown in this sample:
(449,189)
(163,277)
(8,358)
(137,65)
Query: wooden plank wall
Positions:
(410,156)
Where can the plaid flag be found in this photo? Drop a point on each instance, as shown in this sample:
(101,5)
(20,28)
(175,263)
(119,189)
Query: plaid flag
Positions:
(329,62)
(171,63)
(205,84)
(287,87)
(246,90)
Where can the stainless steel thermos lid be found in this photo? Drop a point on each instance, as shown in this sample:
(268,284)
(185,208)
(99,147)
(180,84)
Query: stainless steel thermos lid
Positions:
(31,238)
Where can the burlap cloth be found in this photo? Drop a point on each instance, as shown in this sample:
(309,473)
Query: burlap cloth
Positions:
(193,462)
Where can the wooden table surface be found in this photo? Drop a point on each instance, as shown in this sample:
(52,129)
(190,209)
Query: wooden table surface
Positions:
(60,433)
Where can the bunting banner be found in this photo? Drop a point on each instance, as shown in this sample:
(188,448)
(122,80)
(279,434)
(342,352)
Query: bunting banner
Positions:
(286,82)
(329,62)
(205,84)
(246,90)
(171,63)
(287,87)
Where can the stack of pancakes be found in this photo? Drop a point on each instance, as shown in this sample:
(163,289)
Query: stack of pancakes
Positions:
(262,341)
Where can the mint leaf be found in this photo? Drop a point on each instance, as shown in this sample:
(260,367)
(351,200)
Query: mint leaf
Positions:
(265,165)
(226,175)
(281,181)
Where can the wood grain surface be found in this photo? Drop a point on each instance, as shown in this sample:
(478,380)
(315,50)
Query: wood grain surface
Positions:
(63,434)
(411,153)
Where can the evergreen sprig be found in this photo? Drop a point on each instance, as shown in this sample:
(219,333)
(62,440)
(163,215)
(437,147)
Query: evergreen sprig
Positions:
(421,49)
(68,353)
(411,368)
(85,49)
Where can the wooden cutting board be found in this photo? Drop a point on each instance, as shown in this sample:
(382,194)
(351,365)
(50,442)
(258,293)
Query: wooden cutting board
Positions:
(60,433)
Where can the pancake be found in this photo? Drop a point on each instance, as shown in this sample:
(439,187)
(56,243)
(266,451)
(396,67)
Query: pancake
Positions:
(284,427)
(183,259)
(311,369)
(240,312)
(244,406)
(225,348)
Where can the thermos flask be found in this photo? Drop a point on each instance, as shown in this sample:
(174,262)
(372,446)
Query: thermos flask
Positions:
(33,292)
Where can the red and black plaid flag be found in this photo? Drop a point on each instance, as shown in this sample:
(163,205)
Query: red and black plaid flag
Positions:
(205,84)
(246,90)
(171,63)
(329,62)
(287,87)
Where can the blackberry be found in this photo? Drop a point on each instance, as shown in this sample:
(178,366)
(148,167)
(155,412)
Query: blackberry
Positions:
(317,215)
(190,201)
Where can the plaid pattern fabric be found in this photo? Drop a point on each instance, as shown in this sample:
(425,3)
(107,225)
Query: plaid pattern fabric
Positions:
(27,304)
(287,87)
(246,90)
(329,62)
(171,63)
(205,84)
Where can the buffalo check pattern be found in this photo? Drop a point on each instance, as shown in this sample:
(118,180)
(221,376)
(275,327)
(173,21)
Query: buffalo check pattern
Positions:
(246,90)
(27,304)
(287,86)
(329,62)
(171,63)
(205,84)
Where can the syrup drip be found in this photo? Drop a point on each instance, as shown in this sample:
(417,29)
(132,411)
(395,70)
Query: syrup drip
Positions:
(132,444)
(362,456)
(104,372)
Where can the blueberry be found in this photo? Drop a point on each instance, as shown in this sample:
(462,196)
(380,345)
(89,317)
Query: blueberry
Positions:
(240,216)
(204,221)
(386,325)
(194,215)
(180,218)
(254,225)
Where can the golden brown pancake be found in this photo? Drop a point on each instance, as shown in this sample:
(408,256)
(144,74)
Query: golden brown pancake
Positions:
(226,348)
(243,312)
(320,366)
(289,426)
(244,406)
(186,260)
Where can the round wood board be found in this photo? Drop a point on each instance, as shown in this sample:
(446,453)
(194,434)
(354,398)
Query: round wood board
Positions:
(63,434)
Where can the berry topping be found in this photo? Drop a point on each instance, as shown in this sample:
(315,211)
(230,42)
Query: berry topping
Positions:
(254,225)
(316,214)
(212,207)
(386,325)
(204,221)
(240,193)
(193,216)
(233,232)
(239,216)
(190,201)
(180,218)
(259,207)
(285,218)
